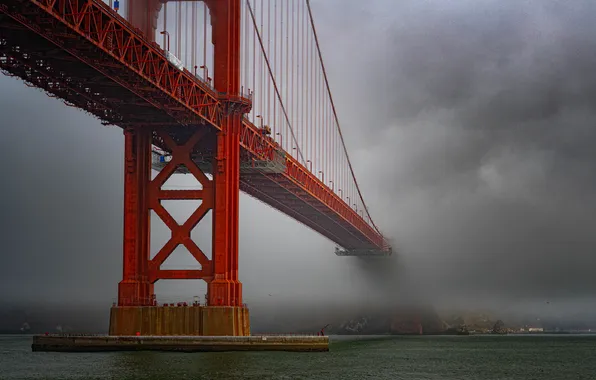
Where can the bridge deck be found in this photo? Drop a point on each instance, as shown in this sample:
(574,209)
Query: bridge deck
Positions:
(92,59)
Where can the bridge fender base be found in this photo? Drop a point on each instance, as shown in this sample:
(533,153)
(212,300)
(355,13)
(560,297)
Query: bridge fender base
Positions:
(179,320)
(225,321)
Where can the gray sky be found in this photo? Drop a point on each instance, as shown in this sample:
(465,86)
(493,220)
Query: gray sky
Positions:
(472,138)
(470,127)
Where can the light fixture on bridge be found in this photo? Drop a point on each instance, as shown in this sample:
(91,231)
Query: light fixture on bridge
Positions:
(206,71)
(166,36)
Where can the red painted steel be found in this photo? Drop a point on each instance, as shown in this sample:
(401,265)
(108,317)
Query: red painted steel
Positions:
(135,289)
(181,155)
(142,195)
(81,51)
(225,288)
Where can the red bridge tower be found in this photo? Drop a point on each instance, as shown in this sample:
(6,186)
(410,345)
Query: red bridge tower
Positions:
(225,314)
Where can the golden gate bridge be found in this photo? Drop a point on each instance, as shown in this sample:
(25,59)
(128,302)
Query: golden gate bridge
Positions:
(231,92)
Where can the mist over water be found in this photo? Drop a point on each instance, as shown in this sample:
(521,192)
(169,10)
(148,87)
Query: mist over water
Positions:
(471,129)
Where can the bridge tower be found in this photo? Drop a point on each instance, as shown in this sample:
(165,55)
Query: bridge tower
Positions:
(225,314)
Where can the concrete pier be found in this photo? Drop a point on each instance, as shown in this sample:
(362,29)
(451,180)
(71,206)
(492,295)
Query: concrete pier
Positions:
(179,321)
(95,343)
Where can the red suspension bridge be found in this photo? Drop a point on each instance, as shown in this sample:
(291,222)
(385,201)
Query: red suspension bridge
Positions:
(232,92)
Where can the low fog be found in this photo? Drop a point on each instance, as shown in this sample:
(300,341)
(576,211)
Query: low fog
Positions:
(470,126)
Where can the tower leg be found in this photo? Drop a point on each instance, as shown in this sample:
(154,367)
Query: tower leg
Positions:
(135,288)
(225,289)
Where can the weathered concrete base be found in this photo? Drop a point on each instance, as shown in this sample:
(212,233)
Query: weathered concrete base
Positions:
(220,321)
(65,343)
(177,320)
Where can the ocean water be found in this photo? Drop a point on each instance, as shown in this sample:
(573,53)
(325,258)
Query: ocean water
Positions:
(442,357)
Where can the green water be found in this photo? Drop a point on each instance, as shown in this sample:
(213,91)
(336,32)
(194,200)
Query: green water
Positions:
(413,358)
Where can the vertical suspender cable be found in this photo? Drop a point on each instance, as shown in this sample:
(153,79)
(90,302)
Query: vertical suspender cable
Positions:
(262,66)
(254,67)
(149,13)
(245,51)
(310,107)
(165,26)
(268,51)
(287,71)
(205,42)
(186,39)
(305,86)
(193,37)
(315,126)
(325,129)
(293,84)
(299,75)
(179,33)
(283,109)
(275,121)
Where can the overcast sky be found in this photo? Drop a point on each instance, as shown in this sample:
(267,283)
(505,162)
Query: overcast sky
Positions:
(471,128)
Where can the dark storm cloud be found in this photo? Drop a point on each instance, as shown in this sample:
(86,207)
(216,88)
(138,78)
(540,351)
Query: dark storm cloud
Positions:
(481,116)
